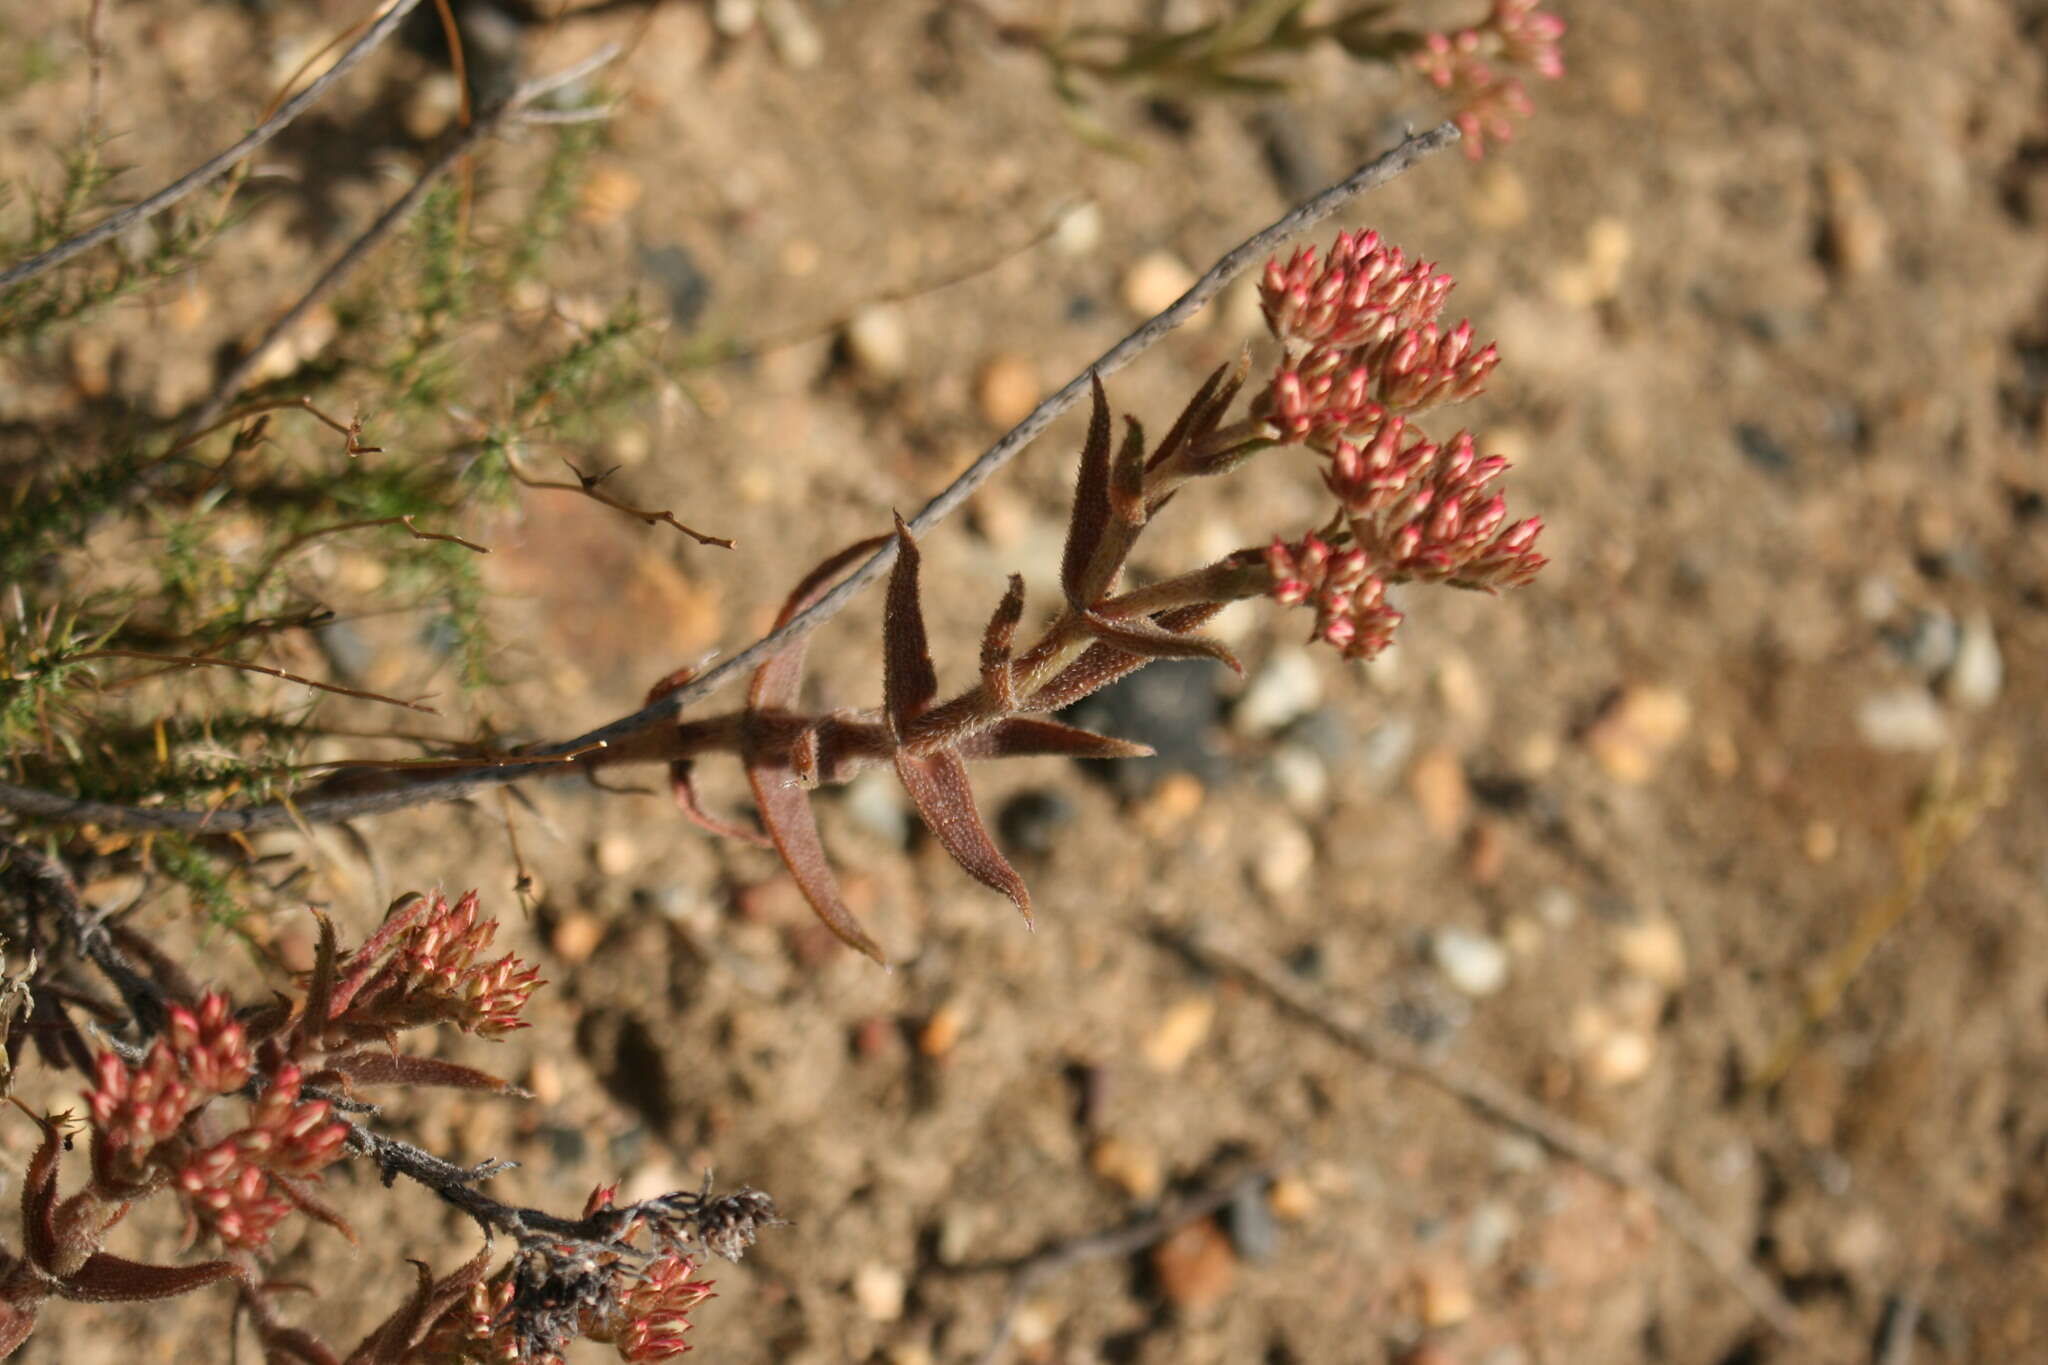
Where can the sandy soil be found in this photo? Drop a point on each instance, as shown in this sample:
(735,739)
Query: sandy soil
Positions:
(1768,280)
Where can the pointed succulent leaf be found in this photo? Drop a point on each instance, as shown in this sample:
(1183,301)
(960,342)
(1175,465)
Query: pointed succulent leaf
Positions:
(39,1200)
(284,1345)
(996,642)
(785,807)
(326,972)
(786,813)
(1146,639)
(909,682)
(376,1067)
(115,1279)
(17,1321)
(939,789)
(683,787)
(1033,737)
(1127,480)
(1091,499)
(1202,411)
(363,961)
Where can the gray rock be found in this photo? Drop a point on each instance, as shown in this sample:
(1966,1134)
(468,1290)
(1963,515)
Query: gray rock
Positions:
(1902,720)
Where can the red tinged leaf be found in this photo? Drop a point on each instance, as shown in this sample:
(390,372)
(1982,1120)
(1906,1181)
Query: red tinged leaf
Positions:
(1032,737)
(1091,499)
(384,1068)
(909,682)
(784,805)
(363,961)
(939,789)
(39,1200)
(786,814)
(282,1343)
(114,1279)
(326,970)
(996,642)
(1142,637)
(17,1321)
(1124,508)
(684,789)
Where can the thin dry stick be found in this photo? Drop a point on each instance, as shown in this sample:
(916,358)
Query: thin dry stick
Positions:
(1373,174)
(587,485)
(114,225)
(177,661)
(1495,1101)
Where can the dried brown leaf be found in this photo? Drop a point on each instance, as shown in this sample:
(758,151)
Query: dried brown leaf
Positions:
(1091,500)
(1034,737)
(996,642)
(909,682)
(376,1067)
(939,789)
(115,1279)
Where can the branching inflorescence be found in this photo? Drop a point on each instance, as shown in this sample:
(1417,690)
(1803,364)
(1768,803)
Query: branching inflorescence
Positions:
(1363,352)
(237,1113)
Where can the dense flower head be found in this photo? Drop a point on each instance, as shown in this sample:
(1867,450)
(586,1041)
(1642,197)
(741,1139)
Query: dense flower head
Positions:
(654,1310)
(1361,294)
(1350,601)
(229,1185)
(202,1053)
(433,976)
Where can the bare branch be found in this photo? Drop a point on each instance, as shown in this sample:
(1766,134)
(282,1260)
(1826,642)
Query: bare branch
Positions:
(200,177)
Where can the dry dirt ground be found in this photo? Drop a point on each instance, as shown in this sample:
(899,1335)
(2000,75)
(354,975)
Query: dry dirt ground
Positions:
(1769,283)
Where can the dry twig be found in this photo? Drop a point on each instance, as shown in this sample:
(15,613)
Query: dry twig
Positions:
(1501,1104)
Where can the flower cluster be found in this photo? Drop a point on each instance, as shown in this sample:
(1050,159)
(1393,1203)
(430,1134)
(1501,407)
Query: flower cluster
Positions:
(147,1129)
(432,975)
(636,1301)
(1363,349)
(1462,64)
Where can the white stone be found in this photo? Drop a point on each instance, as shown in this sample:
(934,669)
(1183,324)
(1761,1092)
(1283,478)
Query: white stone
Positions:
(1475,963)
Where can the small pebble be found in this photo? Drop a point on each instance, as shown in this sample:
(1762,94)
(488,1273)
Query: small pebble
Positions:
(1820,842)
(1285,858)
(1557,907)
(1007,389)
(1653,950)
(1292,1200)
(1437,782)
(1249,1220)
(1131,1166)
(1488,1232)
(876,803)
(1179,1032)
(1928,642)
(734,18)
(1443,1294)
(1475,963)
(1622,1058)
(1034,1324)
(941,1033)
(1386,747)
(1196,1267)
(1636,729)
(1151,285)
(616,854)
(1855,239)
(576,937)
(1976,677)
(1080,229)
(1301,777)
(1902,720)
(879,1291)
(1285,688)
(877,342)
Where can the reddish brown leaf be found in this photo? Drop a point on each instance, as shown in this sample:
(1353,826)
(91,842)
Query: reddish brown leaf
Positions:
(786,814)
(939,789)
(772,769)
(16,1322)
(909,682)
(282,1343)
(39,1200)
(326,968)
(684,789)
(114,1279)
(1142,637)
(1124,503)
(1091,499)
(996,642)
(385,1068)
(1031,737)
(363,961)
